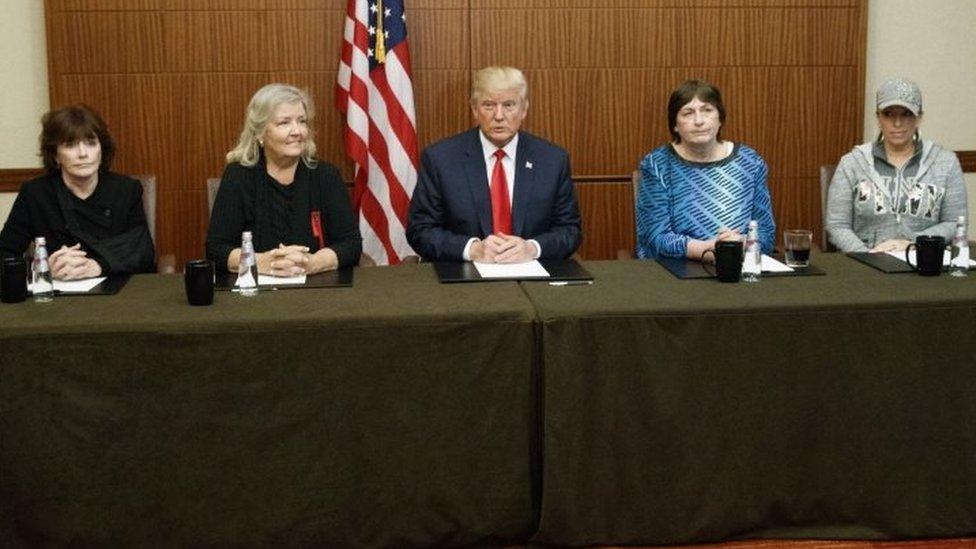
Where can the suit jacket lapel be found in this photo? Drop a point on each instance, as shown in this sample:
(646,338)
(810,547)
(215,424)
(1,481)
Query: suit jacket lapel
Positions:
(476,172)
(524,178)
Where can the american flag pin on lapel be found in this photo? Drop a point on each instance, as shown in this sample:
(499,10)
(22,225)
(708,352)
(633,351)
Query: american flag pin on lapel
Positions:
(528,164)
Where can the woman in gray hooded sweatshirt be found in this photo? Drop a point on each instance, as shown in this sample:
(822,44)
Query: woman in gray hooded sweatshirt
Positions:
(887,192)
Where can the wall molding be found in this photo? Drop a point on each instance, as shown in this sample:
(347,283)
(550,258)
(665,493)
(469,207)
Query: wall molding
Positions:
(968,161)
(10,179)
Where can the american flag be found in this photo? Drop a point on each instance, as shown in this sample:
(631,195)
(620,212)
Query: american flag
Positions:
(375,92)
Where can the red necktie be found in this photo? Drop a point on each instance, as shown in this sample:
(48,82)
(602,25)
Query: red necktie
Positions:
(501,208)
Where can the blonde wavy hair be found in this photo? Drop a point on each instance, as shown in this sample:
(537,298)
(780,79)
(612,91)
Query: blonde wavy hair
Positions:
(495,79)
(263,104)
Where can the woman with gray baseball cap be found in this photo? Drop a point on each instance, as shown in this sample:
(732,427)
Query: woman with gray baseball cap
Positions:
(886,192)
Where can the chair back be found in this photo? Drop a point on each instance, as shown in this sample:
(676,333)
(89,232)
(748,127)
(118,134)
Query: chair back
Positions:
(149,202)
(826,174)
(213,185)
(635,181)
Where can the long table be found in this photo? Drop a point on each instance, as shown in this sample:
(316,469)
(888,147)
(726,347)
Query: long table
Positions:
(404,412)
(394,413)
(829,406)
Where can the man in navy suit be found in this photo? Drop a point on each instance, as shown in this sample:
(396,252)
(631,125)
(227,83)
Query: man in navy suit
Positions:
(494,194)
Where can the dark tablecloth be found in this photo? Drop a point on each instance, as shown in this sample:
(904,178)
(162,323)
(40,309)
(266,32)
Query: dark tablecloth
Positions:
(394,413)
(830,406)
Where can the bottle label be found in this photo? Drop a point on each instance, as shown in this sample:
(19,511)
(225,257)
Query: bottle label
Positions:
(41,265)
(247,271)
(247,261)
(247,254)
(753,259)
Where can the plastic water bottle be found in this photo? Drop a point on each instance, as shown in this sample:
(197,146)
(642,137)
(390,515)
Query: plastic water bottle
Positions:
(247,270)
(42,284)
(752,266)
(959,264)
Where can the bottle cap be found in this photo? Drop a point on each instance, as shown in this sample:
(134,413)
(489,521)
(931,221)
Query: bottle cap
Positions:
(40,241)
(961,220)
(246,235)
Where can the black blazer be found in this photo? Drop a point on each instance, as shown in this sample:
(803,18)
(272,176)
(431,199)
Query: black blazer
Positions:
(452,202)
(243,203)
(110,224)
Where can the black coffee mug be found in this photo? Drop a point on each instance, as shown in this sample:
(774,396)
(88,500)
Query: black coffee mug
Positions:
(728,260)
(13,286)
(198,276)
(929,250)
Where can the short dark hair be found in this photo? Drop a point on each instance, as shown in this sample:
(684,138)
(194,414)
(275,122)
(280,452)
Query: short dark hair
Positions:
(684,94)
(69,124)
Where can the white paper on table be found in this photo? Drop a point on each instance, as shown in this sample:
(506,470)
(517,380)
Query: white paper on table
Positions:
(81,286)
(268,280)
(946,257)
(770,265)
(529,269)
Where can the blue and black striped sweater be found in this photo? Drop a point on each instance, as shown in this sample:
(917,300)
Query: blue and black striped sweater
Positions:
(679,199)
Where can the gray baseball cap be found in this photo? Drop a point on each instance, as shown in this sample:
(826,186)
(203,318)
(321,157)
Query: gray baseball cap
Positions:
(901,92)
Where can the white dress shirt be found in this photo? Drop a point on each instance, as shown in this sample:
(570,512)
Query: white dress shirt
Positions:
(508,164)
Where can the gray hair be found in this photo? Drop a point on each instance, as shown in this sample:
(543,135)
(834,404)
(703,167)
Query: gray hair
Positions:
(259,111)
(495,79)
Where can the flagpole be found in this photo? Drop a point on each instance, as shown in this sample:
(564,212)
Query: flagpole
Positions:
(380,38)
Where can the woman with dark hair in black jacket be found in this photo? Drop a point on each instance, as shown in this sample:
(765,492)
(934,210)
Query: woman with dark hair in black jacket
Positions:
(92,219)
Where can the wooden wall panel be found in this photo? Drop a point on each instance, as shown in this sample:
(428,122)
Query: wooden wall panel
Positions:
(772,109)
(188,40)
(607,208)
(300,42)
(292,5)
(443,108)
(673,4)
(173,77)
(439,38)
(797,205)
(439,5)
(106,42)
(655,37)
(181,223)
(210,111)
(600,75)
(241,41)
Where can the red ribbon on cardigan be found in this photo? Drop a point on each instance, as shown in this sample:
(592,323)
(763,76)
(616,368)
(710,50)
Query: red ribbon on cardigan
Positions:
(317,228)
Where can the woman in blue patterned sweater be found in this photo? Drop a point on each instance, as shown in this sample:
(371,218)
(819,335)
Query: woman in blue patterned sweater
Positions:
(700,189)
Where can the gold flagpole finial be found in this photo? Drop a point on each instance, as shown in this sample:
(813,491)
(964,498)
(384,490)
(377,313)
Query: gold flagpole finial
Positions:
(380,37)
